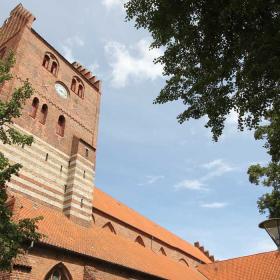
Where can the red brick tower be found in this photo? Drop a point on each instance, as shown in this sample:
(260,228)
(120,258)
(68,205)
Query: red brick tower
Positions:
(62,116)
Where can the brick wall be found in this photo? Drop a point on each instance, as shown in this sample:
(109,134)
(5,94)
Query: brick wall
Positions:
(131,233)
(44,259)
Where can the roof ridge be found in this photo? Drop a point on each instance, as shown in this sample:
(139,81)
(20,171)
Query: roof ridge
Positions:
(162,229)
(241,257)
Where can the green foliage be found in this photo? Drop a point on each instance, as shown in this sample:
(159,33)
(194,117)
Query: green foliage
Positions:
(13,234)
(221,56)
(269,176)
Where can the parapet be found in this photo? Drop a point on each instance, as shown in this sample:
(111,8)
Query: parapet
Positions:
(206,253)
(87,75)
(19,18)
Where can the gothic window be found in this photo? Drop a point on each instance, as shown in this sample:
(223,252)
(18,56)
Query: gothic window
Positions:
(109,227)
(59,272)
(2,52)
(162,251)
(46,61)
(77,86)
(60,126)
(54,68)
(50,63)
(34,107)
(44,113)
(73,85)
(80,90)
(183,261)
(140,241)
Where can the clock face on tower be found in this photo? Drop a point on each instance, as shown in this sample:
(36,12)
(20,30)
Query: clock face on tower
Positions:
(61,90)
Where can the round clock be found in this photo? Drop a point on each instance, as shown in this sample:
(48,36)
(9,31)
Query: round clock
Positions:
(61,90)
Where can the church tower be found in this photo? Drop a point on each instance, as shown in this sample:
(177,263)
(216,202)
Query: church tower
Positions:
(62,115)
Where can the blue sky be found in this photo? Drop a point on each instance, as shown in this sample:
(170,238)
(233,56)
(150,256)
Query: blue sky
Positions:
(174,174)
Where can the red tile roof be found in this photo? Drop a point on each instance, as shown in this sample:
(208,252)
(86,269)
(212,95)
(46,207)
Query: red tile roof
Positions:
(95,242)
(105,203)
(264,266)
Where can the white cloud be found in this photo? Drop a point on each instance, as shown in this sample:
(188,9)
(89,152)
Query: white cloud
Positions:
(151,179)
(113,3)
(196,185)
(93,67)
(216,168)
(132,62)
(68,46)
(67,52)
(75,41)
(214,205)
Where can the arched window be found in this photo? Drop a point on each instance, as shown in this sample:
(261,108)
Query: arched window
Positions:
(140,241)
(34,107)
(109,227)
(54,68)
(81,91)
(50,63)
(77,86)
(59,272)
(44,113)
(46,61)
(183,261)
(73,85)
(162,251)
(60,126)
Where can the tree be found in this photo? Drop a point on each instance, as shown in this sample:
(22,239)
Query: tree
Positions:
(13,234)
(220,56)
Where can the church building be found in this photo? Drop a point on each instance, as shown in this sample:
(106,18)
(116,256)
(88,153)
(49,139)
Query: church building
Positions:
(87,233)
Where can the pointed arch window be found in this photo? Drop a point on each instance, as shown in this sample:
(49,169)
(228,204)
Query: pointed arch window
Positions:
(73,85)
(50,63)
(46,61)
(109,227)
(34,107)
(183,261)
(59,272)
(77,86)
(54,68)
(162,251)
(140,241)
(44,114)
(60,128)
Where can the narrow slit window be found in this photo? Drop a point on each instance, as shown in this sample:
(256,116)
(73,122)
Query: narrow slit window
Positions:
(84,175)
(47,157)
(73,85)
(44,113)
(46,61)
(34,107)
(54,68)
(60,126)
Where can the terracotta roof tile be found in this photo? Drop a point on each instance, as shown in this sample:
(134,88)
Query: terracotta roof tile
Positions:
(95,242)
(264,266)
(114,208)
